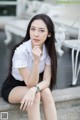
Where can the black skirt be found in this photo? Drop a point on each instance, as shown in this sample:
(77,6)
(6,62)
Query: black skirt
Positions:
(11,83)
(8,85)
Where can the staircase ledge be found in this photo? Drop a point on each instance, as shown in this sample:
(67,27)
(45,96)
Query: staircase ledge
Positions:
(60,95)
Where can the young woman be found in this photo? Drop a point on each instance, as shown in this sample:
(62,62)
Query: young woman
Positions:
(32,73)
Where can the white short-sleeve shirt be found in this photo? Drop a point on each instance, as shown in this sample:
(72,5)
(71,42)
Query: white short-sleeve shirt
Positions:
(23,58)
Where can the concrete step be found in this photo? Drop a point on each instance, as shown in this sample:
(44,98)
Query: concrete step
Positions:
(67,104)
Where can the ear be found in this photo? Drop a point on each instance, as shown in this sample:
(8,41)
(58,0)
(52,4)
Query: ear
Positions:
(49,35)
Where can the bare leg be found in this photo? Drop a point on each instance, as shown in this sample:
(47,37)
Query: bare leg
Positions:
(34,111)
(48,105)
(16,96)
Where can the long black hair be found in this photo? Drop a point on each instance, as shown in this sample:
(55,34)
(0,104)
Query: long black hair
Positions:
(49,43)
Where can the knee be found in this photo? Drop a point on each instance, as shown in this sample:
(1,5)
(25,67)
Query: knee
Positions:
(37,98)
(46,96)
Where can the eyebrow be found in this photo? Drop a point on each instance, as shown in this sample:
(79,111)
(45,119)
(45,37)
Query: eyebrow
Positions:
(39,28)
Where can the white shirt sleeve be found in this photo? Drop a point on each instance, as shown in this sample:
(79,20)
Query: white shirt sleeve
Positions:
(48,61)
(19,58)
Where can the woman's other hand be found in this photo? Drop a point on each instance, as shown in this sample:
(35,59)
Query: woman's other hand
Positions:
(28,99)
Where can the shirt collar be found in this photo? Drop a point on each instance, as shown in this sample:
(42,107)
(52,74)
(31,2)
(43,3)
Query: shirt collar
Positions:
(29,46)
(29,49)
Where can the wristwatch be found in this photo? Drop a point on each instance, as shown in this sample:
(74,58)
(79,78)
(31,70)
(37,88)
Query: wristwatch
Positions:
(37,89)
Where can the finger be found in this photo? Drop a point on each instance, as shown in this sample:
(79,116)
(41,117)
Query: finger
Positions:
(36,48)
(40,52)
(29,105)
(22,104)
(37,51)
(25,105)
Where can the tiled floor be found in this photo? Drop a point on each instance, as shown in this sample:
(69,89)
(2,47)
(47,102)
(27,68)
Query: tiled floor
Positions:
(64,72)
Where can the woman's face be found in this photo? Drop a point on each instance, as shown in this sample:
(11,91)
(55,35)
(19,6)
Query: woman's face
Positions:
(38,32)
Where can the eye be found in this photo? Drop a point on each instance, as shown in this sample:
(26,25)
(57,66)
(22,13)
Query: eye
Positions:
(42,31)
(32,29)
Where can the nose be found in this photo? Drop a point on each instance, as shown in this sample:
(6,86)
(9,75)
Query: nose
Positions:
(36,33)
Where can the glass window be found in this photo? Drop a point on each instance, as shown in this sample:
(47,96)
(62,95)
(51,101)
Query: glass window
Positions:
(8,10)
(7,0)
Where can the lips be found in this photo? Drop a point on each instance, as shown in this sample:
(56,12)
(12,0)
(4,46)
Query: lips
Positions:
(36,40)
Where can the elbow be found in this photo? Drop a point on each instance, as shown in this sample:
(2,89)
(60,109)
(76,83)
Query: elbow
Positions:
(48,83)
(28,84)
(31,85)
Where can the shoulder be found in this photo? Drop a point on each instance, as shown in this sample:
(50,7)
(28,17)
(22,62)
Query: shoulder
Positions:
(21,52)
(23,47)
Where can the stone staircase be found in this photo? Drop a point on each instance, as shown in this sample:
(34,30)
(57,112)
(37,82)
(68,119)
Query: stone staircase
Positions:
(67,104)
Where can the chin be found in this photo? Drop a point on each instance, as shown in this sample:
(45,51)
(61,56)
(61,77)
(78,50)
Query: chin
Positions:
(36,44)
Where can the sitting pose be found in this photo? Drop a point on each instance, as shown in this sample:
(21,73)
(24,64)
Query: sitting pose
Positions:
(33,67)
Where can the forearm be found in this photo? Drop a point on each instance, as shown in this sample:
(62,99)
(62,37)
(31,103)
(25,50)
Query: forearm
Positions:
(34,75)
(44,84)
